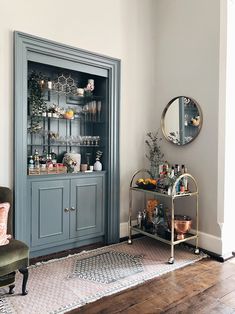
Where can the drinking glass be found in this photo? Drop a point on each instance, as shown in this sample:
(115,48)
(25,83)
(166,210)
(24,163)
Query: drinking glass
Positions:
(99,109)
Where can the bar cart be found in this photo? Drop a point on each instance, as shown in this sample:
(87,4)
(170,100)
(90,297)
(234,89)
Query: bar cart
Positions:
(171,239)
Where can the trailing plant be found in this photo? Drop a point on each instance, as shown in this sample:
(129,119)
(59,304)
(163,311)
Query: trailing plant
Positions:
(36,104)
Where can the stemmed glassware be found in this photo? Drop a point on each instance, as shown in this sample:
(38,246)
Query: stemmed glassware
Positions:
(99,109)
(86,111)
(93,109)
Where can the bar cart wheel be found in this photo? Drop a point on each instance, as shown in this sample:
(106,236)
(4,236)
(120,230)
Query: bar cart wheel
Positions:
(129,241)
(171,260)
(196,251)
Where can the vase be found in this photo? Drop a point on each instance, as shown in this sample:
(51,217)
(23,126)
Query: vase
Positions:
(97,165)
(154,171)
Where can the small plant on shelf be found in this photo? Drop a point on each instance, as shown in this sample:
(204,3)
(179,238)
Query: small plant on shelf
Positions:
(99,154)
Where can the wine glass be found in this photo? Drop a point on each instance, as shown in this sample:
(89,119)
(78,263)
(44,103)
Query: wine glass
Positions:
(93,106)
(85,110)
(99,109)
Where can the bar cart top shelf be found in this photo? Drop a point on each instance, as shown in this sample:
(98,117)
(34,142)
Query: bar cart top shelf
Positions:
(158,192)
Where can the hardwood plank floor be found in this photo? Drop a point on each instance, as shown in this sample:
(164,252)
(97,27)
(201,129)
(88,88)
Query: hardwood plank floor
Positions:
(205,287)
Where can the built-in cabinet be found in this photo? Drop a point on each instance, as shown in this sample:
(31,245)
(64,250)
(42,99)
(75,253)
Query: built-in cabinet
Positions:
(66,209)
(66,102)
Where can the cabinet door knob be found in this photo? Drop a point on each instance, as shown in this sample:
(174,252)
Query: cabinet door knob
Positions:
(66,209)
(72,208)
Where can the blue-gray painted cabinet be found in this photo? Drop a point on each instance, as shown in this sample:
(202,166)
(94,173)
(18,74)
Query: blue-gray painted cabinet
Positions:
(87,207)
(58,111)
(66,211)
(50,211)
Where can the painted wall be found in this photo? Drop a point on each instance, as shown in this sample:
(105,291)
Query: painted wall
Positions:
(121,29)
(168,48)
(187,43)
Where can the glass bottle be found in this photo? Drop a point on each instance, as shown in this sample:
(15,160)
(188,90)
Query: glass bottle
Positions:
(31,162)
(144,220)
(49,162)
(139,220)
(185,181)
(36,162)
(36,154)
(53,157)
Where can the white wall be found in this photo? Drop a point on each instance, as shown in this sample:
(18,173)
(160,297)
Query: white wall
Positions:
(187,42)
(168,48)
(117,28)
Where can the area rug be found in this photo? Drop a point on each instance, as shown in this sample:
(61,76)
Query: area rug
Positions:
(60,285)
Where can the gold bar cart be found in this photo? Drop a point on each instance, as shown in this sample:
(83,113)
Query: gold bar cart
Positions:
(173,196)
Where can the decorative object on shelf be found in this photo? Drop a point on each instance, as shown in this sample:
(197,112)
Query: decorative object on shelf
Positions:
(150,207)
(154,155)
(84,167)
(98,164)
(89,88)
(181,120)
(182,225)
(72,161)
(196,121)
(64,84)
(80,91)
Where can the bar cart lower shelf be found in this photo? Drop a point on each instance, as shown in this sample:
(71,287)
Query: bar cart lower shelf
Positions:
(166,236)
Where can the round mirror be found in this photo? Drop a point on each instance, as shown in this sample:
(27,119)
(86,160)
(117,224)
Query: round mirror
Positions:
(181,120)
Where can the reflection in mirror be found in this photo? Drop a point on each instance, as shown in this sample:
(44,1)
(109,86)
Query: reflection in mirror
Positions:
(181,120)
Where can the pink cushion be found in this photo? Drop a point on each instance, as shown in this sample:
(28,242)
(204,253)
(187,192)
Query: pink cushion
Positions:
(4,237)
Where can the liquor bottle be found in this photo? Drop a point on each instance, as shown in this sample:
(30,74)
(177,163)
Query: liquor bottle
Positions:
(53,157)
(172,173)
(139,220)
(185,181)
(177,174)
(177,170)
(49,162)
(144,220)
(36,162)
(36,154)
(182,187)
(31,162)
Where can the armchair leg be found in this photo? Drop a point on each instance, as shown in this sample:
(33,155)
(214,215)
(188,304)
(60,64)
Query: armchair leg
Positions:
(11,289)
(25,273)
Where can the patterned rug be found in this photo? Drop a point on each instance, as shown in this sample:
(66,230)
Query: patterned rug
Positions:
(63,284)
(107,267)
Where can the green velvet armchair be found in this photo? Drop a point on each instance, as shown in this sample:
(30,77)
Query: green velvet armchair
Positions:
(14,255)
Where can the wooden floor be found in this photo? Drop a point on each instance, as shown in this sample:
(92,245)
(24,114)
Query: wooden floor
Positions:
(204,287)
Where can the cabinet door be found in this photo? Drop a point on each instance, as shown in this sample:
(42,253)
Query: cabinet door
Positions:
(87,199)
(50,215)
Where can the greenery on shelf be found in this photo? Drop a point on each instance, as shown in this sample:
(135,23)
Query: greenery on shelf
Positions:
(154,155)
(36,104)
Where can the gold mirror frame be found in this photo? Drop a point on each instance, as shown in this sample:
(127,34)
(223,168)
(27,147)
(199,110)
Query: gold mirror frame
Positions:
(163,120)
